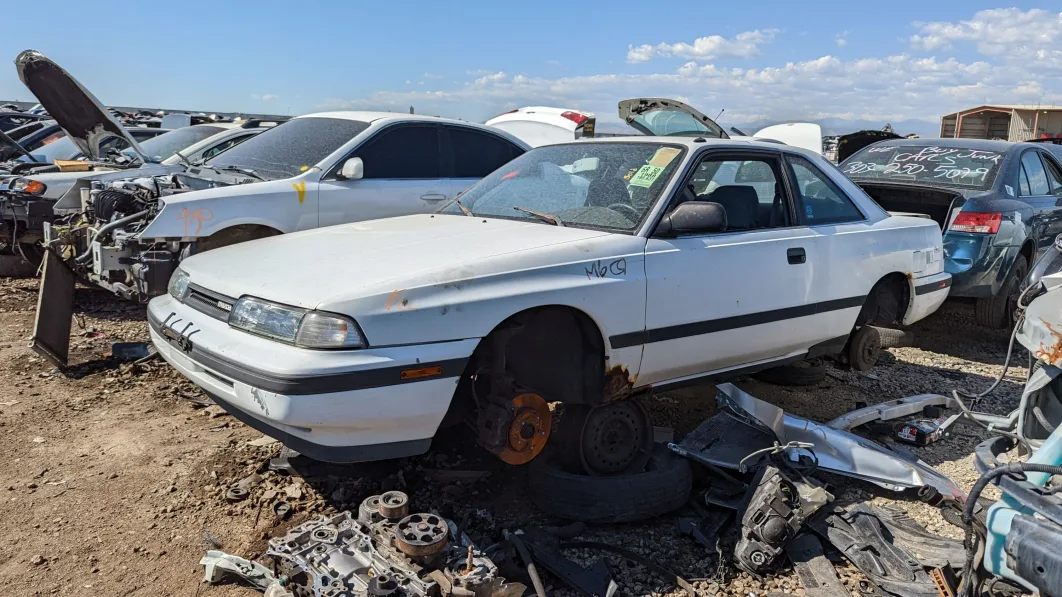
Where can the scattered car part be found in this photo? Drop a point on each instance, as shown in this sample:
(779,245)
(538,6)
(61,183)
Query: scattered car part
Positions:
(723,440)
(55,306)
(922,432)
(664,486)
(393,505)
(816,572)
(1013,544)
(807,372)
(864,347)
(341,554)
(220,566)
(515,430)
(931,550)
(706,531)
(775,510)
(615,438)
(592,581)
(281,509)
(890,411)
(637,559)
(858,534)
(131,351)
(839,451)
(891,338)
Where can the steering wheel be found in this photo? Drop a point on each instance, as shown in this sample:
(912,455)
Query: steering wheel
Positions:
(623,207)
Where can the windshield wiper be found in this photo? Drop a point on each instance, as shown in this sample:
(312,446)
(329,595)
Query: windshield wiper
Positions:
(464,210)
(242,170)
(541,215)
(183,159)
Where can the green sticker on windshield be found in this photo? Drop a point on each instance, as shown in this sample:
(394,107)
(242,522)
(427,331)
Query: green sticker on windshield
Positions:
(646,176)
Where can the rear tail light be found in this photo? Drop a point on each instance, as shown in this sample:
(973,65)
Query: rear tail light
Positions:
(982,222)
(576,117)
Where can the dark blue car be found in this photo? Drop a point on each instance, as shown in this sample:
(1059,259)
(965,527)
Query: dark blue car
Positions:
(998,204)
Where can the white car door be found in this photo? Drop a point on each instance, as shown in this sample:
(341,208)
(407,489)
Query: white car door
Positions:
(470,154)
(402,176)
(749,294)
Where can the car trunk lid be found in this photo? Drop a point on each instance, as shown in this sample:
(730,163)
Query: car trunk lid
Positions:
(80,114)
(939,204)
(667,118)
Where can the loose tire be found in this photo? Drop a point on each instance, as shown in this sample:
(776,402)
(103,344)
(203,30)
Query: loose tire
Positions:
(801,373)
(864,348)
(891,338)
(997,312)
(664,487)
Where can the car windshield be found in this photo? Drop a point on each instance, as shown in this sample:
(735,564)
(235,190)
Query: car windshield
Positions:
(167,144)
(61,149)
(925,164)
(593,185)
(676,123)
(290,148)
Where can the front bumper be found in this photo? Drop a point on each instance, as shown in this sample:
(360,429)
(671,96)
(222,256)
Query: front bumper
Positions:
(928,294)
(335,406)
(978,266)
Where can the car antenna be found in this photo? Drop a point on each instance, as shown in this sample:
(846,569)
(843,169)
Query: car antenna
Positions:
(719,114)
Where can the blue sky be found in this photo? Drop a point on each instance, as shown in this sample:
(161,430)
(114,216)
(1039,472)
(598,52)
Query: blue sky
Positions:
(760,61)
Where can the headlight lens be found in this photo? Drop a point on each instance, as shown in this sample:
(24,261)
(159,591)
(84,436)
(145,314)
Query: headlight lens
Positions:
(28,186)
(178,287)
(307,329)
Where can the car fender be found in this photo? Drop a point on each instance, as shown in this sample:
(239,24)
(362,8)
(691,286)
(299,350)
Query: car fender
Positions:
(603,278)
(286,205)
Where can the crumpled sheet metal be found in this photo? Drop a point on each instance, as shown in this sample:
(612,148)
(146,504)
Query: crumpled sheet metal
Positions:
(893,409)
(1041,330)
(839,451)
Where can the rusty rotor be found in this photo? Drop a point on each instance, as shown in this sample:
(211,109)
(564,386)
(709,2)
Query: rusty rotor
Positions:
(393,505)
(529,429)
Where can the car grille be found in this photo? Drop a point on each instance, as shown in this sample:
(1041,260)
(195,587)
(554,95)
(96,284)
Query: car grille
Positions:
(213,304)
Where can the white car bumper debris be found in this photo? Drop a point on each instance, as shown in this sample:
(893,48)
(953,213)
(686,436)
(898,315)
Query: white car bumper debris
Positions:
(928,294)
(331,405)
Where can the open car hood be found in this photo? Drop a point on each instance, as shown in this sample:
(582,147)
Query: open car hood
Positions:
(80,114)
(853,142)
(666,117)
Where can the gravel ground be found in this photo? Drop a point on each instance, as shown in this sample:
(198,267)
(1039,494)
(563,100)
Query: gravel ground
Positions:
(116,475)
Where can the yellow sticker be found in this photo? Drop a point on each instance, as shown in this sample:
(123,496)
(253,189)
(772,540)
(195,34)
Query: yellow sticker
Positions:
(300,188)
(646,176)
(663,156)
(304,169)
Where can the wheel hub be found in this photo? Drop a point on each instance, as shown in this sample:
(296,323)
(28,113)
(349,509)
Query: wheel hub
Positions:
(528,431)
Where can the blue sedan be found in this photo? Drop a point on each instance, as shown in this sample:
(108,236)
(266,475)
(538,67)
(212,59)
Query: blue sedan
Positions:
(999,205)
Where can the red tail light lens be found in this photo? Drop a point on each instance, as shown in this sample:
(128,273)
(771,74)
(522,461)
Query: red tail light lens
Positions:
(982,222)
(576,117)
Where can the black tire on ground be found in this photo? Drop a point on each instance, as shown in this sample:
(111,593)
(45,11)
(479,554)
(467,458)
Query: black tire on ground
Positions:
(997,312)
(864,348)
(891,338)
(14,266)
(664,487)
(801,373)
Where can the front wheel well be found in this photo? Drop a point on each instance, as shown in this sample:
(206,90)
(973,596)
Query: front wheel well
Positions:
(887,302)
(557,352)
(231,236)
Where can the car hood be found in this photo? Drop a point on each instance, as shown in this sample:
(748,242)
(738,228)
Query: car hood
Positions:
(80,114)
(629,109)
(339,263)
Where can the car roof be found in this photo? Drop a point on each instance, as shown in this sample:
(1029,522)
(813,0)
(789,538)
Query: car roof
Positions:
(369,116)
(985,144)
(697,143)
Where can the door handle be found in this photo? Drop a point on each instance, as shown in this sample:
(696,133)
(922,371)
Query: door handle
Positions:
(796,256)
(433,197)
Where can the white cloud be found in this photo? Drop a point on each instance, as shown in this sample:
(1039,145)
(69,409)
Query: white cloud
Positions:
(431,76)
(265,97)
(889,88)
(713,47)
(1009,34)
(841,40)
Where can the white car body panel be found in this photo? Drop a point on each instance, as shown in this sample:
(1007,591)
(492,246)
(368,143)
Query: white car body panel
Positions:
(539,125)
(427,288)
(806,135)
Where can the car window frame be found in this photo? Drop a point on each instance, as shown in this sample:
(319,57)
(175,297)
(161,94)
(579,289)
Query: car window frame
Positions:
(1051,164)
(238,138)
(1023,172)
(332,173)
(832,184)
(448,166)
(727,154)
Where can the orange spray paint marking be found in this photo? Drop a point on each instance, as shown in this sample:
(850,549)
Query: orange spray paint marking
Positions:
(1051,354)
(396,302)
(198,216)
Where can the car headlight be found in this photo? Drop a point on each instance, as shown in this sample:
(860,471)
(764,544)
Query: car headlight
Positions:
(178,286)
(303,328)
(28,186)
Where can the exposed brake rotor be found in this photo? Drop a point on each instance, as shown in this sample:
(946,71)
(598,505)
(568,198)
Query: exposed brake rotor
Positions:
(528,431)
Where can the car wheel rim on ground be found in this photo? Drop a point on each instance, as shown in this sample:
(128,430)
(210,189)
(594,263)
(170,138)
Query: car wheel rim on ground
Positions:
(616,439)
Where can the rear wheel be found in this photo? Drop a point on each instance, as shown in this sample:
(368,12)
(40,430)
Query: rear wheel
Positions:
(998,311)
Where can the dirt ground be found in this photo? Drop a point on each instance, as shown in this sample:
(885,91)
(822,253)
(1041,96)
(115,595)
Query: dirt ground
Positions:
(114,476)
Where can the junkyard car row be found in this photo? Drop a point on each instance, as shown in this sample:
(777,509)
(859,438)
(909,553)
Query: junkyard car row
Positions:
(351,283)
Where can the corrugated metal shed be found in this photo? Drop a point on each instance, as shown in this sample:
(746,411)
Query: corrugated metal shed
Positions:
(1011,122)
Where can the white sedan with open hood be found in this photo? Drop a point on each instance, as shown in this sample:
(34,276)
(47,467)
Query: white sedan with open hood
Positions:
(580,273)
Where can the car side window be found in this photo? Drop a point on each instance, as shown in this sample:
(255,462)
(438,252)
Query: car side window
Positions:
(477,154)
(1054,176)
(750,190)
(226,144)
(819,199)
(402,152)
(1034,182)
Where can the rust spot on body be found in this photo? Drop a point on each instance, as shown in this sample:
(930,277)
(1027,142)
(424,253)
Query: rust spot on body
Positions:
(619,384)
(1051,354)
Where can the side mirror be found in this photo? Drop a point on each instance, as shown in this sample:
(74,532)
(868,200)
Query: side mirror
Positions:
(693,217)
(352,169)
